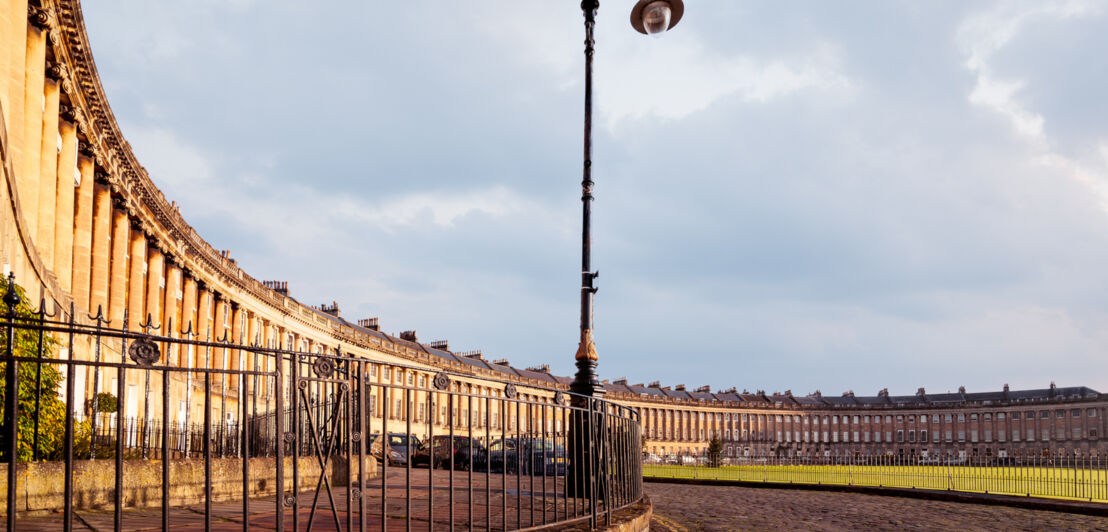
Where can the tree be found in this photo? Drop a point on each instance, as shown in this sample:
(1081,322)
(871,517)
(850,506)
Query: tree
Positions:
(715,451)
(51,430)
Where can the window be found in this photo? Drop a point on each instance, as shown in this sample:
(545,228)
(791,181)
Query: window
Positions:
(1046,435)
(988,417)
(1091,412)
(988,435)
(923,436)
(961,418)
(1030,434)
(973,435)
(1076,412)
(973,417)
(1044,414)
(948,437)
(1015,416)
(1015,434)
(961,435)
(855,420)
(835,419)
(1077,433)
(1060,414)
(888,419)
(889,436)
(900,419)
(866,419)
(947,418)
(934,418)
(1000,416)
(1092,434)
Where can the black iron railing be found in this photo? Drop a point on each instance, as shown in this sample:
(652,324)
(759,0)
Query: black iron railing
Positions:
(275,438)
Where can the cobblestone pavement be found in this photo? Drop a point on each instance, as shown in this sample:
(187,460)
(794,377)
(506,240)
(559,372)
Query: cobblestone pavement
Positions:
(684,508)
(496,501)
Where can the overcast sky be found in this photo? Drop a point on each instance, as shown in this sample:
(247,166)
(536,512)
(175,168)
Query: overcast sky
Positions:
(790,195)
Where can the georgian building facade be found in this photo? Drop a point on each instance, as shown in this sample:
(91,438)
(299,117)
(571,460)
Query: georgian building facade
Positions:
(84,229)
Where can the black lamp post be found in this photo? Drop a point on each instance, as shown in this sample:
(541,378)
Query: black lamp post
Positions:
(587,476)
(652,17)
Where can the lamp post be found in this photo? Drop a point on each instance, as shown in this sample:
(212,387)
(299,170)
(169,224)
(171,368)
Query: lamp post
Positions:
(651,17)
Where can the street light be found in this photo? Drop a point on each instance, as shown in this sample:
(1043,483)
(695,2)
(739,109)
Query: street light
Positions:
(586,470)
(652,17)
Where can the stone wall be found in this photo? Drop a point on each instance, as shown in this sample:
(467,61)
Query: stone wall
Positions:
(41,485)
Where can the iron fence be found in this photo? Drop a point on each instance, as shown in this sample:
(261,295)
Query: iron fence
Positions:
(1074,477)
(273,438)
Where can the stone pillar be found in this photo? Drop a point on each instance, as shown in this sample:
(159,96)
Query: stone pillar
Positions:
(155,285)
(48,175)
(188,317)
(203,315)
(99,276)
(64,215)
(171,317)
(136,278)
(117,282)
(27,114)
(82,233)
(220,327)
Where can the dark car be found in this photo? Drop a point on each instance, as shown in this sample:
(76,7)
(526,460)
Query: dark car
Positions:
(461,453)
(398,447)
(527,456)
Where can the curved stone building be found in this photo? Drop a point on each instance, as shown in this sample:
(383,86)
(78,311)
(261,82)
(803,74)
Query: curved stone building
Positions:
(83,226)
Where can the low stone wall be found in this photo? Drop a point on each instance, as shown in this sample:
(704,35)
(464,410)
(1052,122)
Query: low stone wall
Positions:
(41,485)
(633,518)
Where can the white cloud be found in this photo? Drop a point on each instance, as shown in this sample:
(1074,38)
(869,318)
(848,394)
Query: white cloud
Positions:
(677,77)
(984,35)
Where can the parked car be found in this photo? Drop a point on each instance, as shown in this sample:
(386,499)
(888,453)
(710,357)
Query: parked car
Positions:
(527,456)
(442,452)
(398,447)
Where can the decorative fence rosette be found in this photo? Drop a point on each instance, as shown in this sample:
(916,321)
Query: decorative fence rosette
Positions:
(442,381)
(510,391)
(144,351)
(323,367)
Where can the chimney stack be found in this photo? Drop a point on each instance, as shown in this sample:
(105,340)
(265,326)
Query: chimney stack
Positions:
(440,344)
(545,368)
(409,335)
(281,287)
(332,309)
(704,389)
(369,323)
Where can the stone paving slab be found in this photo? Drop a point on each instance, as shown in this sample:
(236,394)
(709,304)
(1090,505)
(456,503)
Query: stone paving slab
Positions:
(685,508)
(497,501)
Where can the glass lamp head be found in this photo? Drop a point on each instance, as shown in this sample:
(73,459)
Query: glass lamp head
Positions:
(655,17)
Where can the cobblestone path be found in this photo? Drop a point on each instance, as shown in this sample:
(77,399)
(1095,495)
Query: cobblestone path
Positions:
(685,508)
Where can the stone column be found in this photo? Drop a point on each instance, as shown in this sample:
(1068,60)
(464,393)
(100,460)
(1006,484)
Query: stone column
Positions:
(155,285)
(136,293)
(64,215)
(188,317)
(48,175)
(102,218)
(82,233)
(117,283)
(27,110)
(171,324)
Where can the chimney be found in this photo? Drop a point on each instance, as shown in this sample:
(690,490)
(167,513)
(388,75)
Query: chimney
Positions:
(1053,388)
(605,382)
(729,390)
(369,323)
(848,393)
(545,368)
(679,387)
(1006,391)
(621,381)
(638,385)
(332,309)
(883,393)
(501,362)
(655,384)
(440,344)
(281,287)
(817,393)
(921,392)
(408,335)
(962,390)
(475,354)
(704,389)
(788,393)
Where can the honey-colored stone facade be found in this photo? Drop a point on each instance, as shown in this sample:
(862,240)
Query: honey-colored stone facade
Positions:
(83,226)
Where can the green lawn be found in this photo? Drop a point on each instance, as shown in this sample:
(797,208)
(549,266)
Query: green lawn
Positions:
(1052,482)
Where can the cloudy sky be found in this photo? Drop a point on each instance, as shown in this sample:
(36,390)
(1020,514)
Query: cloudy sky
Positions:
(798,195)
